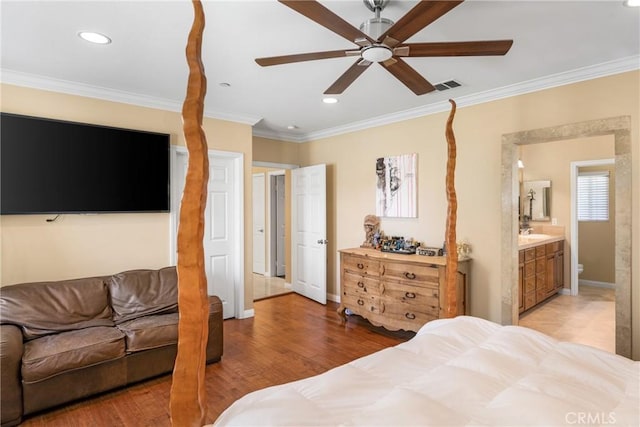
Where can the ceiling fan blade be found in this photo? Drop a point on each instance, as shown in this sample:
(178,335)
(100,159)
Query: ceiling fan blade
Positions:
(347,78)
(423,14)
(475,48)
(408,76)
(301,57)
(323,16)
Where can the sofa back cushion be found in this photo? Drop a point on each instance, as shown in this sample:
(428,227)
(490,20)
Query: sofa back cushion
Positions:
(45,308)
(138,293)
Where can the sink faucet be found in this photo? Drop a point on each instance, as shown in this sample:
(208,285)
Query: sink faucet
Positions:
(526,231)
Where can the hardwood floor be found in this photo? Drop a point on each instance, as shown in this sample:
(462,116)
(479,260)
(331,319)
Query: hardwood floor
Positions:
(289,338)
(588,318)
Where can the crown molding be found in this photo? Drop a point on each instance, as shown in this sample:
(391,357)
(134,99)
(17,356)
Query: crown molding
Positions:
(35,81)
(617,66)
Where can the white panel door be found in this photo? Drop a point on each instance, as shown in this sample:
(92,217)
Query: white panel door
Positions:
(308,232)
(258,223)
(219,241)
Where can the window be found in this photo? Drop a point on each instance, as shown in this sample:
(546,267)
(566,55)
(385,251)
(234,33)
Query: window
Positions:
(593,196)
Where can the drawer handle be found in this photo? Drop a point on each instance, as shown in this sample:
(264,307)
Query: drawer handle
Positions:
(360,285)
(410,294)
(360,302)
(409,275)
(360,266)
(410,316)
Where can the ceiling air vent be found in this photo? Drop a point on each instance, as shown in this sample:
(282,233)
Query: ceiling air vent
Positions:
(447,85)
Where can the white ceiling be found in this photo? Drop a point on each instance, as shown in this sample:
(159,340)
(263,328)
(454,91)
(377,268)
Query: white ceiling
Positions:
(555,42)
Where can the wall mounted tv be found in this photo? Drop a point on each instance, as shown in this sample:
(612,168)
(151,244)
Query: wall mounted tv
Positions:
(54,167)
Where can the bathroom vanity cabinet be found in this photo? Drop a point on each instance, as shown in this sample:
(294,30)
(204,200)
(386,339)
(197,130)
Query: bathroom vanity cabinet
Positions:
(541,273)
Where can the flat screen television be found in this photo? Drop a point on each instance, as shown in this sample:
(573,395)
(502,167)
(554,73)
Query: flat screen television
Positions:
(55,167)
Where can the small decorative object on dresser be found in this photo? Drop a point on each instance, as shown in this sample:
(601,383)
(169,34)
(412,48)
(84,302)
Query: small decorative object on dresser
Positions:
(397,291)
(371,231)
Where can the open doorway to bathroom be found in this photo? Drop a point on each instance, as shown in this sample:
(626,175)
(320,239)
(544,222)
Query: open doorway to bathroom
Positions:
(587,315)
(616,129)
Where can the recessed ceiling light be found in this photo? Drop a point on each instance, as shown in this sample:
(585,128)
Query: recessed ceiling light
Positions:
(329,100)
(94,37)
(292,127)
(632,3)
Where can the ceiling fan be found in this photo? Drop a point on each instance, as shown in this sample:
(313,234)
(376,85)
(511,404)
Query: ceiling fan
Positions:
(381,40)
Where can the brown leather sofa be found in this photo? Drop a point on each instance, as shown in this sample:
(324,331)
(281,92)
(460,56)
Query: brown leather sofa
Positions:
(65,340)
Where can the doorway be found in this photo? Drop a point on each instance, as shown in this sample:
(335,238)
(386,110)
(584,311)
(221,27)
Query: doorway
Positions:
(224,219)
(620,128)
(276,253)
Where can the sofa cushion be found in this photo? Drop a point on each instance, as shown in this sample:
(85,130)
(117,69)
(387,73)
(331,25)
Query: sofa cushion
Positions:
(54,354)
(149,332)
(139,293)
(51,307)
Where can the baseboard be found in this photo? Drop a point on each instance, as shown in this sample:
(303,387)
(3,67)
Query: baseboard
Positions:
(565,291)
(333,297)
(596,284)
(247,313)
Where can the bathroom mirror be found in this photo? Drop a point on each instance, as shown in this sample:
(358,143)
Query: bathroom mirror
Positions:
(536,200)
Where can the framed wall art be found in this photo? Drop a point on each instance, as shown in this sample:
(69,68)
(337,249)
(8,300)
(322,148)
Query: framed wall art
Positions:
(397,179)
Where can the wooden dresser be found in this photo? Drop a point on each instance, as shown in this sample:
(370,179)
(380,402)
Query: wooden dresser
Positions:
(397,291)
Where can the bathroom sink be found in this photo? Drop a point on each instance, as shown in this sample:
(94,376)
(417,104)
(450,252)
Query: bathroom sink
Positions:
(524,239)
(535,236)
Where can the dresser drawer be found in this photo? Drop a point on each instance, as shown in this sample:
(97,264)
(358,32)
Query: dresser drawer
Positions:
(361,304)
(361,265)
(407,313)
(421,296)
(356,284)
(411,273)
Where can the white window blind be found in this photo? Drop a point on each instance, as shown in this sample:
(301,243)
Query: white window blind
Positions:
(593,196)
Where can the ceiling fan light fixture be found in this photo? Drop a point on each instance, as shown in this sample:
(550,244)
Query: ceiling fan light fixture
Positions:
(376,53)
(330,100)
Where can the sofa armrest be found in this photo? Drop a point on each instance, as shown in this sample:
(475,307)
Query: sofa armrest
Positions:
(215,340)
(11,349)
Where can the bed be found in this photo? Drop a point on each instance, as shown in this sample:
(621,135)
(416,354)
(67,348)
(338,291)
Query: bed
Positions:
(461,371)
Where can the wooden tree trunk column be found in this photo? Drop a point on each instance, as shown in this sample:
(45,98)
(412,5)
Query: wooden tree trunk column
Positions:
(451,269)
(187,403)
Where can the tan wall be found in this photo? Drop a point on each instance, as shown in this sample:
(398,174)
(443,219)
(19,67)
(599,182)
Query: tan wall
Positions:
(596,245)
(552,161)
(269,150)
(86,245)
(351,175)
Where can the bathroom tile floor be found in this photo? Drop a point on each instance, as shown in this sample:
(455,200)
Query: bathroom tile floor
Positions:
(267,287)
(588,318)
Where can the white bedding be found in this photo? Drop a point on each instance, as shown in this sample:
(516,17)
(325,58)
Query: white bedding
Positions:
(462,371)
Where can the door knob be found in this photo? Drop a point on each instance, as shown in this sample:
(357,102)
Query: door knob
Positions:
(322,242)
